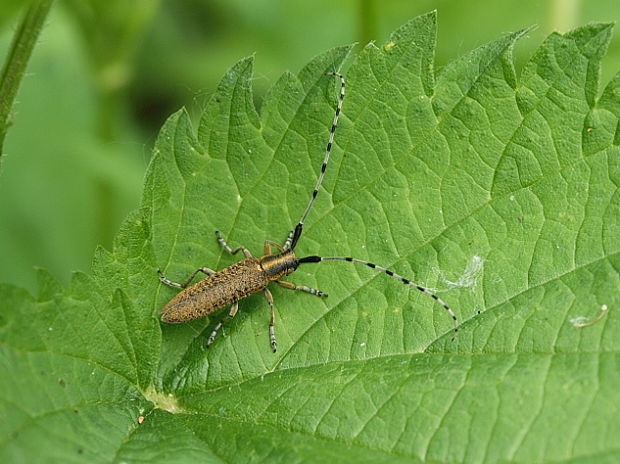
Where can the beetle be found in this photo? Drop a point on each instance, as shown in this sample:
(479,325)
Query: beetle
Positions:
(254,274)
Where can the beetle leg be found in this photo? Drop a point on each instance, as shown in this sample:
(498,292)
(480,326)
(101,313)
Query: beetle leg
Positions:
(233,311)
(226,247)
(269,244)
(204,270)
(303,288)
(289,240)
(272,323)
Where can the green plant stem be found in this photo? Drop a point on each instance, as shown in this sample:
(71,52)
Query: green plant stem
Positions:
(109,115)
(367,21)
(563,14)
(15,65)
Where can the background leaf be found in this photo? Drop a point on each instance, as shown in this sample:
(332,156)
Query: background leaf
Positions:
(498,191)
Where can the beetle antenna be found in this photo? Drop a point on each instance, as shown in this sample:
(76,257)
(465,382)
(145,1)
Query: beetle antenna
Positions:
(293,237)
(318,259)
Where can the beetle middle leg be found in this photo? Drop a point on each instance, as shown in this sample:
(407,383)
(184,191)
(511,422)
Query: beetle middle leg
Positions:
(233,311)
(272,323)
(204,270)
(227,247)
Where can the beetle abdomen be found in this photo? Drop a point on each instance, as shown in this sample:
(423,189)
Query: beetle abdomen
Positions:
(216,291)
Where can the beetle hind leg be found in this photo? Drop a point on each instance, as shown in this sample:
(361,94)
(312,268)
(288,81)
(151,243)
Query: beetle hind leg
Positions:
(233,311)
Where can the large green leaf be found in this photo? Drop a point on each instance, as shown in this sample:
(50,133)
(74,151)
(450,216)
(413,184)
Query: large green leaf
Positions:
(498,192)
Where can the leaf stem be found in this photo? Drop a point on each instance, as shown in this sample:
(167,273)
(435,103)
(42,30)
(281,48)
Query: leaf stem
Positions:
(15,65)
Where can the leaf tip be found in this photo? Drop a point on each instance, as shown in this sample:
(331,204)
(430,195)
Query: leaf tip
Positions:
(47,285)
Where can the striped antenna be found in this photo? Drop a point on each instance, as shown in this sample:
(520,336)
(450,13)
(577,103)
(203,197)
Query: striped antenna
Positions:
(318,259)
(293,237)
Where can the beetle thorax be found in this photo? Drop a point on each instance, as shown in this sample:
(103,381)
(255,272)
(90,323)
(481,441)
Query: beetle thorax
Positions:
(280,265)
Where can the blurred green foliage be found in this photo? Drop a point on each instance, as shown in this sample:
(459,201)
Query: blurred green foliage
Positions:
(107,74)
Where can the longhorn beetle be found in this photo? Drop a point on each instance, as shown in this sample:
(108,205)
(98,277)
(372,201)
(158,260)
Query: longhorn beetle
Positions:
(251,275)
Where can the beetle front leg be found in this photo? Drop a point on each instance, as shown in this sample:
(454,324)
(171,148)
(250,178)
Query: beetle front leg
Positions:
(303,288)
(267,247)
(289,240)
